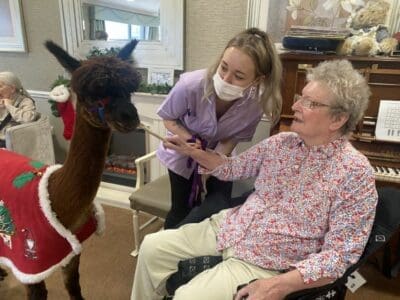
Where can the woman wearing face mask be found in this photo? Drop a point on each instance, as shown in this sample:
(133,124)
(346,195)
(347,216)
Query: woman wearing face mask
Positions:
(16,105)
(216,109)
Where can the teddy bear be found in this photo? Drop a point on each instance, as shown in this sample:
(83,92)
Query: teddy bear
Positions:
(369,36)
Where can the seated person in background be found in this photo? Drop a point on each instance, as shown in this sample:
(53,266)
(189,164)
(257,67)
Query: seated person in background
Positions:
(308,219)
(16,105)
(101,35)
(218,108)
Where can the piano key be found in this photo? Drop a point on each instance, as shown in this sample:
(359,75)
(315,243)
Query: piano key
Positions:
(392,171)
(387,174)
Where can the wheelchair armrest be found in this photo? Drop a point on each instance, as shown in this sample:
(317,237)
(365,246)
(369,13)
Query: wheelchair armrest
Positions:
(334,290)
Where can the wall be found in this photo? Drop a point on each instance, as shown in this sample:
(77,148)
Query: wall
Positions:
(35,68)
(208,26)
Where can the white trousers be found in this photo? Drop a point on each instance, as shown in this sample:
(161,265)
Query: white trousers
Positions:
(160,253)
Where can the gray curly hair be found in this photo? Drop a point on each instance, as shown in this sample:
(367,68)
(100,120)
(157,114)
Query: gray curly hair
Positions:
(350,88)
(11,79)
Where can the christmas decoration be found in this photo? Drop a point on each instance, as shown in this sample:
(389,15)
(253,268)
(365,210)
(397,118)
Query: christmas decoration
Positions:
(62,105)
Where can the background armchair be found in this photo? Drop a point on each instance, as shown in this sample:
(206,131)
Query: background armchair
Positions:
(150,197)
(32,139)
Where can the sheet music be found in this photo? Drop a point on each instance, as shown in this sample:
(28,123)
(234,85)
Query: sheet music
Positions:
(388,121)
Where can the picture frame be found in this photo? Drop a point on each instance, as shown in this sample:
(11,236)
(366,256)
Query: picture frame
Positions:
(12,32)
(160,76)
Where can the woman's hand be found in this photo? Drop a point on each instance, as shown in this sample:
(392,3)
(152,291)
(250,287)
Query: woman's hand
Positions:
(176,143)
(278,287)
(5,101)
(261,289)
(208,160)
(196,145)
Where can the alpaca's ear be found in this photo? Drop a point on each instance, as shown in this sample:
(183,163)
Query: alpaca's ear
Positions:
(66,60)
(126,52)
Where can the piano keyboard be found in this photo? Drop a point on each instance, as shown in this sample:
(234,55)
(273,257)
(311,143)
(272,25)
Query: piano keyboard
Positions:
(387,174)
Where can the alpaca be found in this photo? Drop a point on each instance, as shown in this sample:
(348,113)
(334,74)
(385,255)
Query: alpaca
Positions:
(103,87)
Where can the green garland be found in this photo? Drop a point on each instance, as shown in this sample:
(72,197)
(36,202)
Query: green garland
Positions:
(95,51)
(153,88)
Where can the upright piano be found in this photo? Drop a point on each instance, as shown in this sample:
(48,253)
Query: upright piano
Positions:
(383,76)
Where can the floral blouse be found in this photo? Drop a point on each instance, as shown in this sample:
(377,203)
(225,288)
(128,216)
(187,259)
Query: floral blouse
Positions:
(312,208)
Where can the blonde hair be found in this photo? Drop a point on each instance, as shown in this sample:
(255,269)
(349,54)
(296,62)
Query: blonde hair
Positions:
(260,48)
(350,88)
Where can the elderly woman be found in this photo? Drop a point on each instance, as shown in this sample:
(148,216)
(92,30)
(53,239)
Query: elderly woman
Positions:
(16,105)
(308,219)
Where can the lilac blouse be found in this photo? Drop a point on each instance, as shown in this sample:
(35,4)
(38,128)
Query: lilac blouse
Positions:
(312,209)
(185,103)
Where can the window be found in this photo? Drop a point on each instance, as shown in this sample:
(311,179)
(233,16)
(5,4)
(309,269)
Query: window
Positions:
(123,31)
(116,30)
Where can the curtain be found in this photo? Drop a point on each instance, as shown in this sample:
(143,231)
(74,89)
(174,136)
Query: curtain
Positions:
(394,18)
(109,14)
(152,34)
(94,24)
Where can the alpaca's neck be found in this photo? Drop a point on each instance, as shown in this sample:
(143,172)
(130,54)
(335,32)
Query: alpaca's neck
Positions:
(73,187)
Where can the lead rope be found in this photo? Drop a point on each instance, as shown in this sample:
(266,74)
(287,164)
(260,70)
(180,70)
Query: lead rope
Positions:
(197,185)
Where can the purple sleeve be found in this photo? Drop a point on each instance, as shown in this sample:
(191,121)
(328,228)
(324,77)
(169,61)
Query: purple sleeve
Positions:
(176,103)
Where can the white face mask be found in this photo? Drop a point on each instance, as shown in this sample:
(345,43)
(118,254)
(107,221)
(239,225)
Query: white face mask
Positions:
(226,91)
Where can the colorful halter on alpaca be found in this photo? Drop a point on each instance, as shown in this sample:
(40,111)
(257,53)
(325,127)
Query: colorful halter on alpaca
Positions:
(99,108)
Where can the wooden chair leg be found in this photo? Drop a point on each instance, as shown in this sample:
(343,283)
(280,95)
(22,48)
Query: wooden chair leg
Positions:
(136,232)
(137,228)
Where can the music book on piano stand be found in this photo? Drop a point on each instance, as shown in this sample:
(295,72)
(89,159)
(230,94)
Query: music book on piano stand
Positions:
(388,121)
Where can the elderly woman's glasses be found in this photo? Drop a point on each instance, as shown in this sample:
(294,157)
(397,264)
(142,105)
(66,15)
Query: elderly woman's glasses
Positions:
(308,103)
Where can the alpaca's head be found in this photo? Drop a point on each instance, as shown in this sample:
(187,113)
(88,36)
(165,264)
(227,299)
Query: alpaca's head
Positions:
(103,86)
